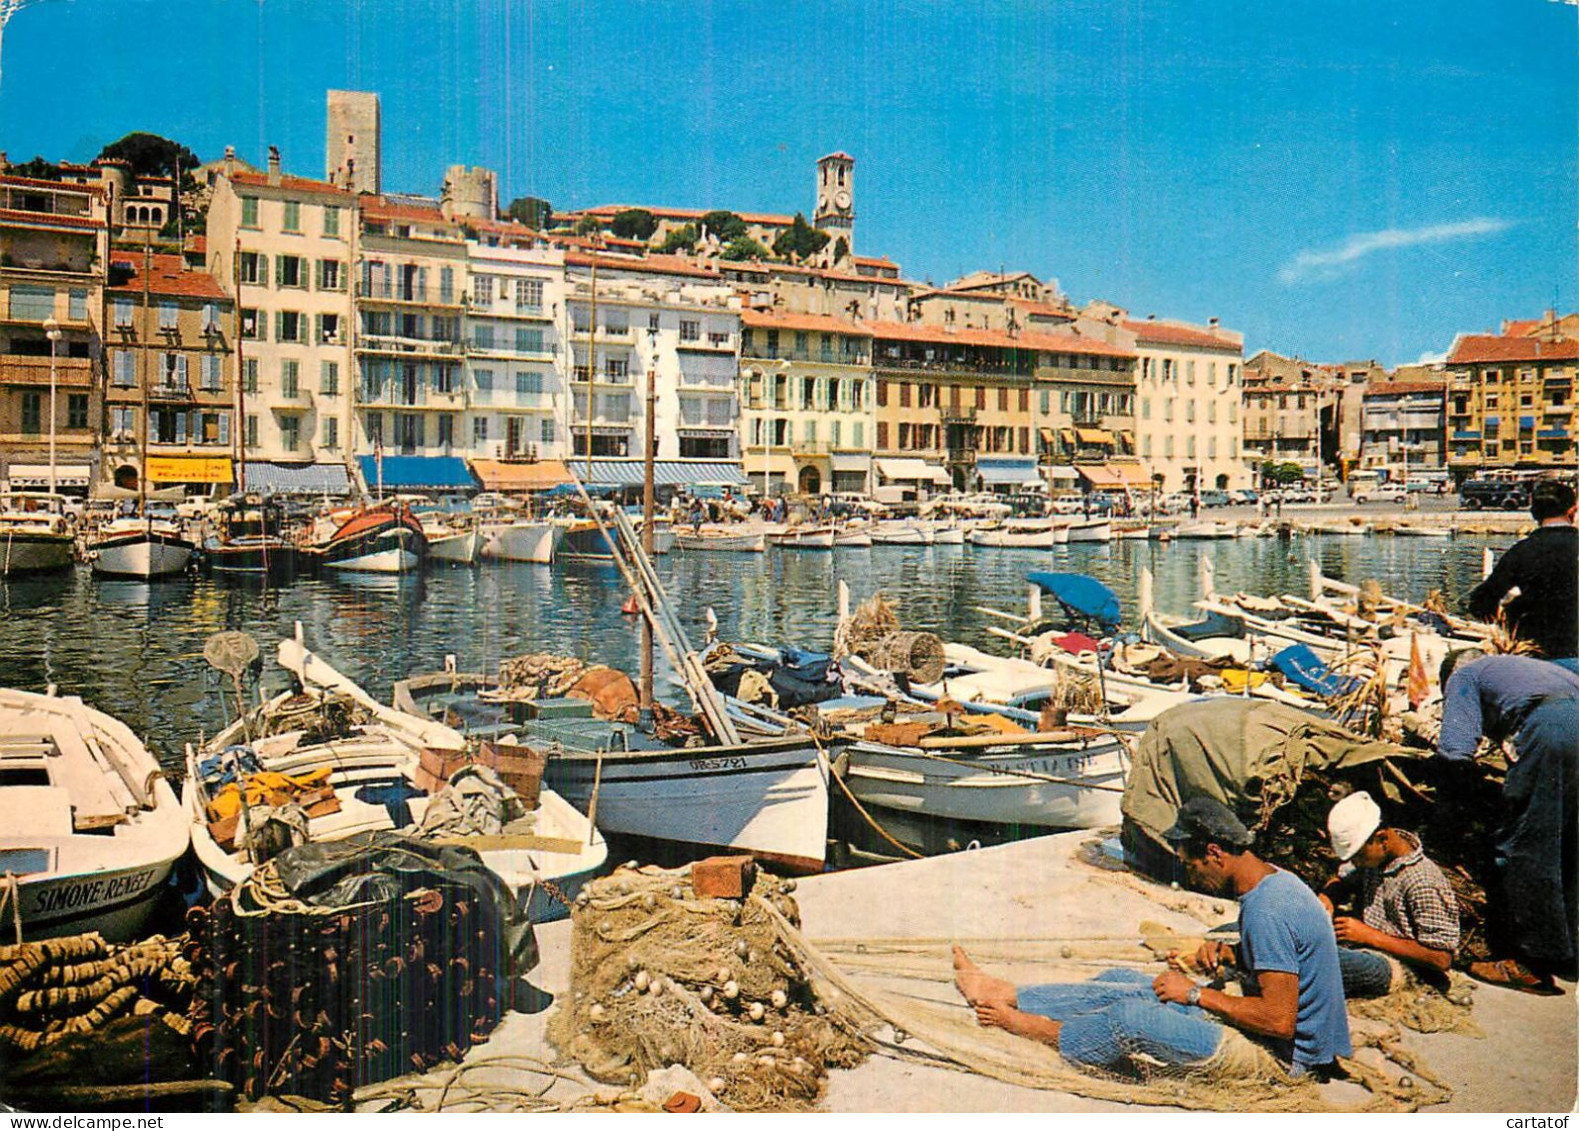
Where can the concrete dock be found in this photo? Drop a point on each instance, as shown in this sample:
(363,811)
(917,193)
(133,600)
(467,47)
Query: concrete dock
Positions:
(1526,1062)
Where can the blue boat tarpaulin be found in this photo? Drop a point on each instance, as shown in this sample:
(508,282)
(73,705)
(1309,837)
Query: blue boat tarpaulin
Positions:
(1082,594)
(420,473)
(298,479)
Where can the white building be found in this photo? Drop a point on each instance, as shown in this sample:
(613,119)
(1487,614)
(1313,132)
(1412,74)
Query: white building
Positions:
(1188,387)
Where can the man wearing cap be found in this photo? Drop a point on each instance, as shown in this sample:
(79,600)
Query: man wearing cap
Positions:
(1407,909)
(1293,1001)
(1535,899)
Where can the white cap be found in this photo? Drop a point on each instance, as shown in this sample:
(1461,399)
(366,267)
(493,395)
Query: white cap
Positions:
(1351,823)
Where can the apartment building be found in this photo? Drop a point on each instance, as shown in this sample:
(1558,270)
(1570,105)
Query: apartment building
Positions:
(1188,392)
(410,355)
(806,403)
(515,361)
(1510,400)
(54,255)
(662,316)
(1291,411)
(1404,422)
(170,357)
(283,248)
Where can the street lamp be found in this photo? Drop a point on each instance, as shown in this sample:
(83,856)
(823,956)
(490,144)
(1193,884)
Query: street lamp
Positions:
(52,332)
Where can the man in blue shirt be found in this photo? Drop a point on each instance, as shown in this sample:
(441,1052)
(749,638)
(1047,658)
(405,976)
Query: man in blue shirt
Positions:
(1293,990)
(1536,901)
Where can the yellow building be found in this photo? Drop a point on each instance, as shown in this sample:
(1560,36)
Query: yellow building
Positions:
(1510,401)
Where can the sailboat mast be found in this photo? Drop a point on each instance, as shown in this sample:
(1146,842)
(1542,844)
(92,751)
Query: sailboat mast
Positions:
(239,431)
(592,354)
(142,454)
(647,509)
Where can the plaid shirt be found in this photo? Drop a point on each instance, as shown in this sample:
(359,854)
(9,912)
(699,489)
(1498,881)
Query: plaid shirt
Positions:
(1410,898)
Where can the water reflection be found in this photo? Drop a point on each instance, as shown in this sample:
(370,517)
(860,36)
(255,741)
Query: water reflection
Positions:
(136,650)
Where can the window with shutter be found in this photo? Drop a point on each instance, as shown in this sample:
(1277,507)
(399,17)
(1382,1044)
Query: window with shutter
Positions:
(224,428)
(904,395)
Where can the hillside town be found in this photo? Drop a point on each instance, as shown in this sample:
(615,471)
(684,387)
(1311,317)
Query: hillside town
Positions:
(236,325)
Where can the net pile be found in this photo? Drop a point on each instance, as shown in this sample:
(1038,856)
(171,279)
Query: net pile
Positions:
(72,986)
(660,977)
(543,675)
(320,716)
(873,633)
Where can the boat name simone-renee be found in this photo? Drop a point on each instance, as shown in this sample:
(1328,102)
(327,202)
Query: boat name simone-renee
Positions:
(90,893)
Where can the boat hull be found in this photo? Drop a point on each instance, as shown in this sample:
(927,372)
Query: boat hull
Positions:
(116,902)
(811,540)
(455,548)
(143,554)
(770,799)
(1015,539)
(722,543)
(523,542)
(376,543)
(268,557)
(24,552)
(585,542)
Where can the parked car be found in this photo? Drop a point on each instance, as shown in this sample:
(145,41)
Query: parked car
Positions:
(1297,495)
(1381,493)
(1244,497)
(1495,494)
(1215,498)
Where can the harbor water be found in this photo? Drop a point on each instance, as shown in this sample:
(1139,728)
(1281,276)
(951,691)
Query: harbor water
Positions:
(135,650)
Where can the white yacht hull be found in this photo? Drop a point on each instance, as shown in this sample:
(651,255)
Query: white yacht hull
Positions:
(523,542)
(144,556)
(456,547)
(1094,531)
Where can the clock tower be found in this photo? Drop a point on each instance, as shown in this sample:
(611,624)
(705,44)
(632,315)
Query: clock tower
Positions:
(835,212)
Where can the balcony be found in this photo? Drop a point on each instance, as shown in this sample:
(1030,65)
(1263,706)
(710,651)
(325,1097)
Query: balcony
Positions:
(420,397)
(958,368)
(170,390)
(706,345)
(421,347)
(413,296)
(820,357)
(605,334)
(958,414)
(75,372)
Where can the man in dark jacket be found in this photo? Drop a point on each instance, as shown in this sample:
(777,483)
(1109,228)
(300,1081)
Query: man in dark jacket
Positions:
(1545,569)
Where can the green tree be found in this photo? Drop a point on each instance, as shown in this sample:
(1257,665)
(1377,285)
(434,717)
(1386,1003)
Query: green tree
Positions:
(634,224)
(588,225)
(38,169)
(743,247)
(533,211)
(682,238)
(841,250)
(150,155)
(799,241)
(724,225)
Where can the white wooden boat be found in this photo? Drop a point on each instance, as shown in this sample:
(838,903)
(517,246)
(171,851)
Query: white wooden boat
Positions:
(1205,531)
(34,535)
(1018,537)
(561,849)
(1132,533)
(453,546)
(142,548)
(1406,531)
(852,539)
(903,534)
(768,798)
(89,827)
(722,539)
(948,534)
(1339,529)
(1090,530)
(521,541)
(806,538)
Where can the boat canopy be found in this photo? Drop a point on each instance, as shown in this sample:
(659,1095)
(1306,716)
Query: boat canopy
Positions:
(297,479)
(1007,472)
(665,472)
(1081,595)
(520,475)
(418,473)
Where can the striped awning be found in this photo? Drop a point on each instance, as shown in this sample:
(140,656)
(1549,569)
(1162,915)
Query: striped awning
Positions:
(1006,472)
(297,479)
(665,472)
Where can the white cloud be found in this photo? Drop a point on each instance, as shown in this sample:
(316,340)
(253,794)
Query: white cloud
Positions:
(1310,266)
(1440,357)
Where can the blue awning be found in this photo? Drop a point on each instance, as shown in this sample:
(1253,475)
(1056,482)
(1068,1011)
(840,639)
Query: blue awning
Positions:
(419,473)
(665,472)
(1553,433)
(1082,594)
(1008,472)
(298,479)
(1526,422)
(1463,435)
(1492,421)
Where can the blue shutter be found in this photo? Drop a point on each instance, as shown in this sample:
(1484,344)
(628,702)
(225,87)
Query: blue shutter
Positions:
(224,428)
(180,427)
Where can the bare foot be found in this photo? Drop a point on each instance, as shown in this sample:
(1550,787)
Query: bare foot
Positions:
(978,988)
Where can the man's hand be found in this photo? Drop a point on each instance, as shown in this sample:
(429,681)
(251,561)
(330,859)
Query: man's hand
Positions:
(1211,957)
(1171,985)
(1353,931)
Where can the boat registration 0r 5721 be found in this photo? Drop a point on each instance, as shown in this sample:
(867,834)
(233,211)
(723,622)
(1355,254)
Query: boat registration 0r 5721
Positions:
(708,765)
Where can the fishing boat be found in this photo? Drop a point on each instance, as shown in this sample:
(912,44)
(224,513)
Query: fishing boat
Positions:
(523,540)
(34,534)
(1018,536)
(1090,530)
(768,798)
(852,538)
(141,547)
(583,541)
(376,538)
(947,534)
(1205,531)
(1404,530)
(89,827)
(902,534)
(366,767)
(806,538)
(454,541)
(722,539)
(1123,533)
(248,542)
(1339,529)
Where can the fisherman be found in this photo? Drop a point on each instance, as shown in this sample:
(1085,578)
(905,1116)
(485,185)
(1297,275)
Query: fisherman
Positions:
(1407,912)
(1535,901)
(1544,568)
(1293,1002)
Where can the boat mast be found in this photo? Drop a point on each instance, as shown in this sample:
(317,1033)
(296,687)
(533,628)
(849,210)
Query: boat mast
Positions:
(239,431)
(592,353)
(142,454)
(646,525)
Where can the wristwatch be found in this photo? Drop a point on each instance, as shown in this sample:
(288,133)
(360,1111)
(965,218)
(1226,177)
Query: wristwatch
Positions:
(1194,996)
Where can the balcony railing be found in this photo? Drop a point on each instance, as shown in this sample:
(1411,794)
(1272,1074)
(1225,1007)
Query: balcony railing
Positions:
(397,396)
(74,371)
(819,357)
(428,347)
(963,366)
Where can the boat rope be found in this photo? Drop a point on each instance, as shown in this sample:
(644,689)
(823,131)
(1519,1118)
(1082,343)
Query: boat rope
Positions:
(861,809)
(13,896)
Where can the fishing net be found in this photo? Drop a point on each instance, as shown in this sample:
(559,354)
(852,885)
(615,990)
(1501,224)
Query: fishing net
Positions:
(873,619)
(543,675)
(919,655)
(321,716)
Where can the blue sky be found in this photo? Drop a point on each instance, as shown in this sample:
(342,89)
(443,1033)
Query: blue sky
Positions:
(1337,179)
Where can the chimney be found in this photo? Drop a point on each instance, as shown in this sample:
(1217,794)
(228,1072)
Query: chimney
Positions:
(1212,321)
(274,164)
(1151,318)
(230,161)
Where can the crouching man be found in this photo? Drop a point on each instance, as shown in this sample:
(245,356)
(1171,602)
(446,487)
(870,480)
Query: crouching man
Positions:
(1407,912)
(1293,1003)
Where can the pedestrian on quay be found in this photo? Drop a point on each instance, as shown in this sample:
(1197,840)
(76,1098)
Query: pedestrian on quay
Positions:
(1405,910)
(1292,1005)
(1534,898)
(1544,568)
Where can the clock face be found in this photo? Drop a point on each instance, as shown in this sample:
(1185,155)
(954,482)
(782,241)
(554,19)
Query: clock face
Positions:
(842,199)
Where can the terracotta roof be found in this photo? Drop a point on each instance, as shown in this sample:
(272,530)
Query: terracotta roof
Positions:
(764,218)
(822,323)
(168,276)
(875,261)
(651,264)
(1471,349)
(1522,327)
(61,186)
(1044,308)
(1384,388)
(287,183)
(378,208)
(825,273)
(1173,334)
(49,218)
(1066,343)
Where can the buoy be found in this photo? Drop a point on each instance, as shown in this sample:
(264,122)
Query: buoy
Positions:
(739,1058)
(731,990)
(631,606)
(742,948)
(766,1061)
(756,1012)
(716,1085)
(778,1039)
(642,981)
(597,1013)
(779,999)
(706,994)
(723,975)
